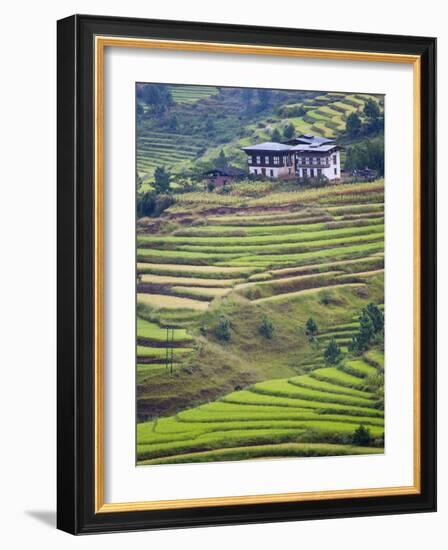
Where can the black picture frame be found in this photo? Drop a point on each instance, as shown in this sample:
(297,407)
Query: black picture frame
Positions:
(76,263)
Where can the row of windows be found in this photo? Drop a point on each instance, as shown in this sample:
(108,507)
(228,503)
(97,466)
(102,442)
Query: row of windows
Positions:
(302,160)
(268,172)
(276,160)
(316,160)
(312,173)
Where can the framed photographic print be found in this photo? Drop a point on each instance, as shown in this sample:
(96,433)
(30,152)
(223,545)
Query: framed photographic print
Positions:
(246,267)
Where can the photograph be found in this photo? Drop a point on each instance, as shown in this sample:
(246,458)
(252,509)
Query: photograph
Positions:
(260,309)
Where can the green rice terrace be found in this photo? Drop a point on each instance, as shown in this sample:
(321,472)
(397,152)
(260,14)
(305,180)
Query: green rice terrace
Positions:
(226,283)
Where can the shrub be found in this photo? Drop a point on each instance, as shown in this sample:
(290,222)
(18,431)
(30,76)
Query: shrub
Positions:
(353,125)
(289,131)
(266,328)
(362,436)
(222,329)
(275,136)
(162,180)
(332,353)
(311,328)
(327,298)
(152,204)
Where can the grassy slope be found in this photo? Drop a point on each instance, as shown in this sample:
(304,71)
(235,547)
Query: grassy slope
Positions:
(278,388)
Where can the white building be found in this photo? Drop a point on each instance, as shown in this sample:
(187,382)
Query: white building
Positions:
(303,156)
(270,159)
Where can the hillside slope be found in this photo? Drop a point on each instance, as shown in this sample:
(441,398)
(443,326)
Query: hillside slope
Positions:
(244,256)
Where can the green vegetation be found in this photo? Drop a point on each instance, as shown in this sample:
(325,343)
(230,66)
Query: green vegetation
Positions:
(249,298)
(266,328)
(371,327)
(332,353)
(311,328)
(265,418)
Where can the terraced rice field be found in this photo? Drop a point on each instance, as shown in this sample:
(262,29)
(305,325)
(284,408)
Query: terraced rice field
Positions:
(232,400)
(158,347)
(191,94)
(164,149)
(273,418)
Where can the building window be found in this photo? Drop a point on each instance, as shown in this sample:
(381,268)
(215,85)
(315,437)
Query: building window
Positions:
(304,173)
(258,160)
(276,160)
(272,173)
(322,160)
(266,160)
(255,171)
(250,159)
(307,160)
(319,172)
(314,160)
(335,171)
(334,159)
(263,171)
(312,172)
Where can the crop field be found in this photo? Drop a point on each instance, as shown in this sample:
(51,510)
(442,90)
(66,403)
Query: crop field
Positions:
(306,412)
(190,94)
(209,390)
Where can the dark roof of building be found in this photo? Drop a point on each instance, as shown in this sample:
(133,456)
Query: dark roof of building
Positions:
(305,142)
(308,139)
(227,171)
(268,146)
(315,148)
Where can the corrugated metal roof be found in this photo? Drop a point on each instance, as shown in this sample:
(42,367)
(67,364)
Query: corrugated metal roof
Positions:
(268,146)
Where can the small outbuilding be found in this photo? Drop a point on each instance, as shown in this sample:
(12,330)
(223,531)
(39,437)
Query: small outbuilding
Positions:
(221,176)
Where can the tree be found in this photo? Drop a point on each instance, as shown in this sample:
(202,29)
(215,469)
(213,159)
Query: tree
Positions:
(275,136)
(145,204)
(353,125)
(209,125)
(368,153)
(264,97)
(173,123)
(362,436)
(371,109)
(362,340)
(222,329)
(221,160)
(157,96)
(289,131)
(332,353)
(152,204)
(266,328)
(311,328)
(161,180)
(371,323)
(376,316)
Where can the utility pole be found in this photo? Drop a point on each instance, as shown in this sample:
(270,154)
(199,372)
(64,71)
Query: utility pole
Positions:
(172,349)
(169,349)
